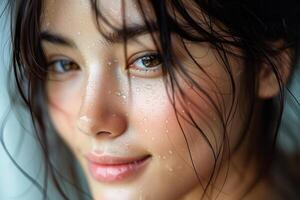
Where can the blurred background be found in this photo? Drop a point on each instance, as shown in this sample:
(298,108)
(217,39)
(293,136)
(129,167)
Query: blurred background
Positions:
(21,144)
(17,136)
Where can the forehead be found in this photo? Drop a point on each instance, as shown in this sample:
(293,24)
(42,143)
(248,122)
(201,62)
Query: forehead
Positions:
(70,13)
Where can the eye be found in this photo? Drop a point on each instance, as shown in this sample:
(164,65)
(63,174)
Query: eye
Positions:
(62,66)
(146,65)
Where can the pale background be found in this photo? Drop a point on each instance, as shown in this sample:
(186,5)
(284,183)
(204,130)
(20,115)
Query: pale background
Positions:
(13,184)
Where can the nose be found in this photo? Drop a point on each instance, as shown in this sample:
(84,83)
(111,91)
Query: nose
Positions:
(102,114)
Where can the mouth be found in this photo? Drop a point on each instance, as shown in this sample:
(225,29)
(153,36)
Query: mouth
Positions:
(113,169)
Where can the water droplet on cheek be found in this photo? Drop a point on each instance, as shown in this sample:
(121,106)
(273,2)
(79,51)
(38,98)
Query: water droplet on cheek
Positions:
(170,152)
(120,94)
(85,119)
(148,86)
(152,138)
(78,33)
(170,169)
(124,97)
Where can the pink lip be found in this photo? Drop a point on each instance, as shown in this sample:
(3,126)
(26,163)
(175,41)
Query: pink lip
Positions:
(111,169)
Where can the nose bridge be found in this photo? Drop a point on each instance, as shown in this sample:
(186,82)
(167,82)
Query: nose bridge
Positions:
(101,111)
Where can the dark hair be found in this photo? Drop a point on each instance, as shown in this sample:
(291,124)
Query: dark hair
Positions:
(252,26)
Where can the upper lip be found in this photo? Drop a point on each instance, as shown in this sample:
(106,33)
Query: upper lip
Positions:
(113,160)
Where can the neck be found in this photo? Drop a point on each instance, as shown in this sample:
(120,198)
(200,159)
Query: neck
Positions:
(239,177)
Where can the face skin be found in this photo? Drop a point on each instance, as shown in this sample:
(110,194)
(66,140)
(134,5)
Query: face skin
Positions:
(137,117)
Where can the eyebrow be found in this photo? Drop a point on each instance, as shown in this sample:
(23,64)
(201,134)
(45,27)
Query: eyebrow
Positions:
(117,36)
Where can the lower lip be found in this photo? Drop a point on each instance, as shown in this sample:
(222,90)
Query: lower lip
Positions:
(113,173)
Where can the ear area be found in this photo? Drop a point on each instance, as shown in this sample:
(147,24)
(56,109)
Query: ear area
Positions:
(268,81)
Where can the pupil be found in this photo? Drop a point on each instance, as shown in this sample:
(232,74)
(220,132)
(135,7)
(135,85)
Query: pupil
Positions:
(66,65)
(151,60)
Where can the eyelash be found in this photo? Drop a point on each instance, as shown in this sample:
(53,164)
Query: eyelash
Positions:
(138,59)
(141,59)
(64,62)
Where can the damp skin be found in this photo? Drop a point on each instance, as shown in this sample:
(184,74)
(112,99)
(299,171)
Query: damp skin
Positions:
(139,116)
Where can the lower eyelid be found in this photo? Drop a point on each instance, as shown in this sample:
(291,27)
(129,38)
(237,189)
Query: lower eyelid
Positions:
(147,70)
(153,73)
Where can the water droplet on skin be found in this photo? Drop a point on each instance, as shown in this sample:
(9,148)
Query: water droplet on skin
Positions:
(167,131)
(159,157)
(164,157)
(148,86)
(109,63)
(152,138)
(124,97)
(78,33)
(85,118)
(146,130)
(167,121)
(170,152)
(145,118)
(170,169)
(120,94)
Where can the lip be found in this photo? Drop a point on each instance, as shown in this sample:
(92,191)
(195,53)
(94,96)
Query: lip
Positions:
(105,168)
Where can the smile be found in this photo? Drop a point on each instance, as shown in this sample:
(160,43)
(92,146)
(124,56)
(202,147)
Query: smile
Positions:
(113,169)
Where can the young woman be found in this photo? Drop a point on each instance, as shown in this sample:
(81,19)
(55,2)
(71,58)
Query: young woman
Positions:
(160,99)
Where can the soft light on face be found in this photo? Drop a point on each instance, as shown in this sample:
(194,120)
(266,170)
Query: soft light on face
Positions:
(125,132)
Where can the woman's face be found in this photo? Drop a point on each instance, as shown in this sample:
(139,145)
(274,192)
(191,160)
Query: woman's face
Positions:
(114,112)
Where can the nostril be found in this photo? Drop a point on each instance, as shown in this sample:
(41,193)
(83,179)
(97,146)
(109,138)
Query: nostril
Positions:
(103,133)
(102,125)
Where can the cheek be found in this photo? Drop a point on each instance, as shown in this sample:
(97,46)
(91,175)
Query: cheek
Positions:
(64,105)
(170,137)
